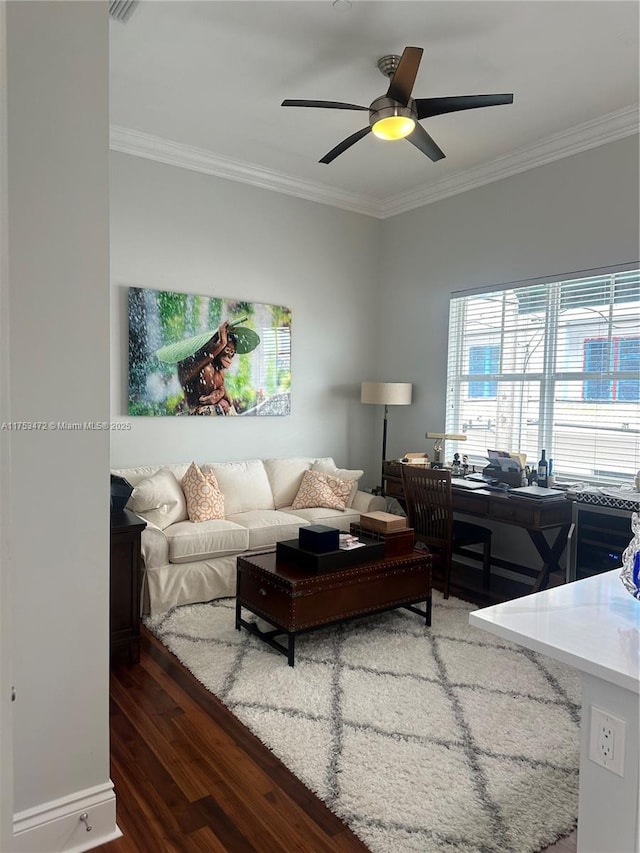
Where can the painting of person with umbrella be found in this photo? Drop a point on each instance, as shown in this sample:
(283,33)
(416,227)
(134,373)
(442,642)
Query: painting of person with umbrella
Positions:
(202,361)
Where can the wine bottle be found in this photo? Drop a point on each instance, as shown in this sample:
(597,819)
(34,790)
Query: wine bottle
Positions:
(542,470)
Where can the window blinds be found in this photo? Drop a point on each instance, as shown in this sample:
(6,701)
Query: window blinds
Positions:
(552,365)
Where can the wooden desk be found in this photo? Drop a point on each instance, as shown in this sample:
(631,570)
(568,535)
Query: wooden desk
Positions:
(532,515)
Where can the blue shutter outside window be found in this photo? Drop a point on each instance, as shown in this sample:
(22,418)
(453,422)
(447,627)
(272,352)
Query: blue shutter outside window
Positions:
(597,359)
(629,359)
(483,359)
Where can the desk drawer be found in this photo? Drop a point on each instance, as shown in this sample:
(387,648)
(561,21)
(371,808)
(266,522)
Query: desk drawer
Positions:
(511,511)
(540,515)
(471,504)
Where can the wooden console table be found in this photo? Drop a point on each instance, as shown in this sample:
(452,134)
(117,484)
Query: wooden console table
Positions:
(533,515)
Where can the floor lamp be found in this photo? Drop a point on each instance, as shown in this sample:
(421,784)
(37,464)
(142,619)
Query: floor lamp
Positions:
(385,394)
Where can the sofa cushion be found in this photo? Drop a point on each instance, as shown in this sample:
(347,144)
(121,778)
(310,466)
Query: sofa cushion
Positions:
(319,489)
(136,475)
(285,476)
(245,485)
(204,498)
(159,499)
(190,541)
(327,466)
(268,526)
(341,519)
(154,546)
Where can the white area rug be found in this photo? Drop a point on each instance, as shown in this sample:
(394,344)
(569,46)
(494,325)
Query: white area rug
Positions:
(425,740)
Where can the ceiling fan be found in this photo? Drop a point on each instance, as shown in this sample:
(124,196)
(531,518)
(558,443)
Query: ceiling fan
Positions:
(395,115)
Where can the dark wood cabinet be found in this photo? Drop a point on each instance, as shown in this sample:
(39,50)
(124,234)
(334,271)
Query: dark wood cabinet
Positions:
(125,563)
(392,481)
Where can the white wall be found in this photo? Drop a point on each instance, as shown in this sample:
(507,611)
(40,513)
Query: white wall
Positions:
(6,675)
(174,229)
(58,536)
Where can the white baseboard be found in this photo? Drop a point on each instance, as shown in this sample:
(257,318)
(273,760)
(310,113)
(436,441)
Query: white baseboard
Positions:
(55,827)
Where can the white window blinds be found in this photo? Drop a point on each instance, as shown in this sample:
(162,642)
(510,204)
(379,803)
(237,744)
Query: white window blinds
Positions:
(554,366)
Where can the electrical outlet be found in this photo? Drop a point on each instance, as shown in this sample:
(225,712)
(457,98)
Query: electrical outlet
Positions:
(607,740)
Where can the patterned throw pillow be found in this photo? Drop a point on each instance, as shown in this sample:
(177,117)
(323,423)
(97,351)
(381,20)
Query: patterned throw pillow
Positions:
(327,466)
(204,498)
(324,490)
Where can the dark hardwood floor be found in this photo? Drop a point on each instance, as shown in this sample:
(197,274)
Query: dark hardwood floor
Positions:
(189,777)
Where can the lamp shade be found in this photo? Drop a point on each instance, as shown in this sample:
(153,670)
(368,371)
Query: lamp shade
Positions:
(386,393)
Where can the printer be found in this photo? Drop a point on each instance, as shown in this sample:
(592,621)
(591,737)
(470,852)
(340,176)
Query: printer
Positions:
(510,476)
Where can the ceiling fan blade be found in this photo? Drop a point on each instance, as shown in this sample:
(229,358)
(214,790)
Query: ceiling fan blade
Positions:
(346,143)
(428,107)
(405,75)
(328,105)
(421,139)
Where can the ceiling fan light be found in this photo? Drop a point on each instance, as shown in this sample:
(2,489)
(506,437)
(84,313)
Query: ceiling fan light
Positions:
(393,127)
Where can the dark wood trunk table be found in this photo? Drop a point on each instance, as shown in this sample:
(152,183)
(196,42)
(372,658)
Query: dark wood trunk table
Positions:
(296,601)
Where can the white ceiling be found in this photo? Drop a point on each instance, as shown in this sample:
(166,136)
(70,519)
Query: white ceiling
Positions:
(200,84)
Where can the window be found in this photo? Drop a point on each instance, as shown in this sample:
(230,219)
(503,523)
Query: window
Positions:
(552,365)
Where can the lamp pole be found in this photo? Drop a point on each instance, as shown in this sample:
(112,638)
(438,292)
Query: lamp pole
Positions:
(385,394)
(384,447)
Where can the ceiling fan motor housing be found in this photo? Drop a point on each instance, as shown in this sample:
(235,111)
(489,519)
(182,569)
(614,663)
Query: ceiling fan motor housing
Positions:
(384,107)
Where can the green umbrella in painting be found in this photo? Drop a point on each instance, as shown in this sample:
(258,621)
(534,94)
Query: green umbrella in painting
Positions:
(246,341)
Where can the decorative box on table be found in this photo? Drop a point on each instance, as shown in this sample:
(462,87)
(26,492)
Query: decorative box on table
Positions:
(396,542)
(382,522)
(291,552)
(319,539)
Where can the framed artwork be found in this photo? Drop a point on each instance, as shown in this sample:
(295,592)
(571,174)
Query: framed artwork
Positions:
(204,355)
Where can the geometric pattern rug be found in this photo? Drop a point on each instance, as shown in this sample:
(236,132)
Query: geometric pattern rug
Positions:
(423,740)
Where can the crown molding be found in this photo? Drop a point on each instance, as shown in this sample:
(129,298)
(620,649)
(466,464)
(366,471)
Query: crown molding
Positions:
(198,160)
(607,128)
(591,134)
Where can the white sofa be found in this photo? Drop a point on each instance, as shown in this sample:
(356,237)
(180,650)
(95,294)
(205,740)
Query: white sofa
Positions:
(187,562)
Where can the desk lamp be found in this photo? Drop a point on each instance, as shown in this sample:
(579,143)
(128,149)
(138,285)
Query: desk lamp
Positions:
(440,438)
(385,394)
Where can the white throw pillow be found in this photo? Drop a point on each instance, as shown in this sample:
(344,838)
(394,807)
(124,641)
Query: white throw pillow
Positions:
(204,499)
(245,485)
(324,490)
(159,499)
(327,466)
(285,476)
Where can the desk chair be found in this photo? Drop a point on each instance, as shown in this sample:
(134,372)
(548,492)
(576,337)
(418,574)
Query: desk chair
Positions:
(427,493)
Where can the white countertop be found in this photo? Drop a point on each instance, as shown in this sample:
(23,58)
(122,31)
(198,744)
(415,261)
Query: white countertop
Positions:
(591,624)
